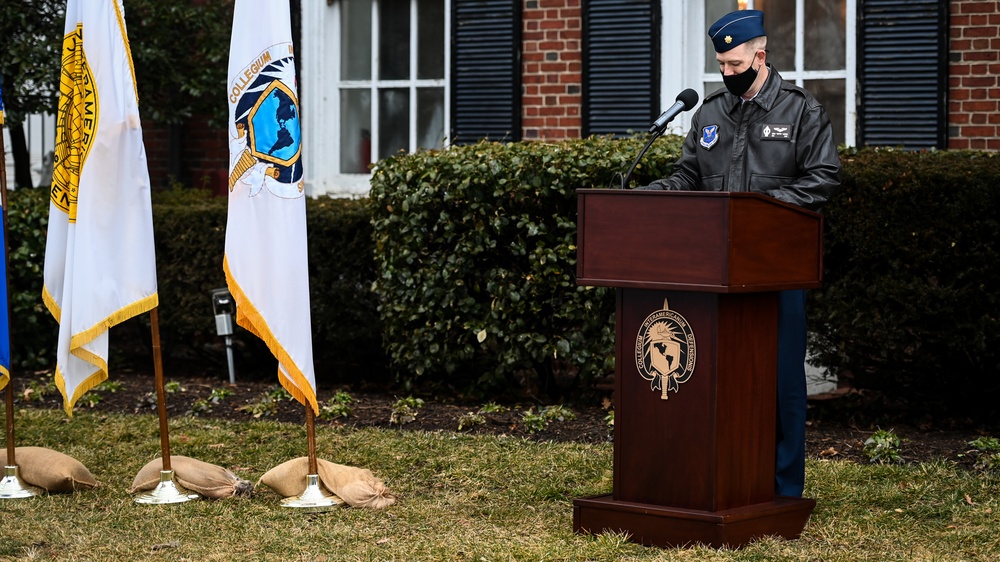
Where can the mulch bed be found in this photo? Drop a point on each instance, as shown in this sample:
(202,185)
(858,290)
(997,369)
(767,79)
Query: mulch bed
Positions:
(832,431)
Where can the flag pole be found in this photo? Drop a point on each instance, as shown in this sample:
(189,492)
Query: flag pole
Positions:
(311,439)
(161,394)
(313,499)
(262,90)
(167,490)
(11,485)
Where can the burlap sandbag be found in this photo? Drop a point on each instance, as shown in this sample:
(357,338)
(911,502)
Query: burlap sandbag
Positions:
(358,487)
(209,480)
(50,470)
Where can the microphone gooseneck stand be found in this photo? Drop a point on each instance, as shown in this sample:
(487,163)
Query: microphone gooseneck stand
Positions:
(652,138)
(685,101)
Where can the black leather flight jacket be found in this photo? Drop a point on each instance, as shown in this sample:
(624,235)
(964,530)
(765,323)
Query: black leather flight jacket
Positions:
(780,144)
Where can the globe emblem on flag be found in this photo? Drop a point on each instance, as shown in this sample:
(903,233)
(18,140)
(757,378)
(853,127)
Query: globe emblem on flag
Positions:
(268,133)
(275,135)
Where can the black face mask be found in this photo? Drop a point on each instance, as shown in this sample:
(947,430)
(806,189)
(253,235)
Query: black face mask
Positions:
(738,84)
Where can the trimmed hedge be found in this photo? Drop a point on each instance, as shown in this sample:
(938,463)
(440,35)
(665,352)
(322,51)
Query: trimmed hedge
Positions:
(909,304)
(476,259)
(476,254)
(190,238)
(33,332)
(471,253)
(189,231)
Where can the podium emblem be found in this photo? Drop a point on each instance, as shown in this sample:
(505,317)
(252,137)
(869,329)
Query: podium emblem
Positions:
(665,350)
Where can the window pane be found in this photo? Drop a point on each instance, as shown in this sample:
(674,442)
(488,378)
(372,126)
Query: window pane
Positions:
(355,132)
(355,40)
(713,86)
(394,121)
(825,44)
(714,9)
(779,23)
(430,39)
(394,40)
(430,118)
(830,93)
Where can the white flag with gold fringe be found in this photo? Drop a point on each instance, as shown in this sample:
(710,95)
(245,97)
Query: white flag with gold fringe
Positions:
(100,265)
(266,262)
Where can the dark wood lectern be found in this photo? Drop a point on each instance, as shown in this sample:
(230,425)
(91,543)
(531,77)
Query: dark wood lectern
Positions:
(696,359)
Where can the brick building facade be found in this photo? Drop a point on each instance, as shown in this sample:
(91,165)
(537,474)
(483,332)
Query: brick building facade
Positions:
(974,86)
(198,156)
(552,100)
(552,70)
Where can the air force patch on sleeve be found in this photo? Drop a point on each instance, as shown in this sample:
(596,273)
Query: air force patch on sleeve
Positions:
(709,136)
(776,132)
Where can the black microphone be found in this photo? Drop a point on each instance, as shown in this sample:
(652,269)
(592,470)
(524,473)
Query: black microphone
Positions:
(685,101)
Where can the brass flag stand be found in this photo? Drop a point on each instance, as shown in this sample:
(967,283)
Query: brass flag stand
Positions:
(167,491)
(313,499)
(11,485)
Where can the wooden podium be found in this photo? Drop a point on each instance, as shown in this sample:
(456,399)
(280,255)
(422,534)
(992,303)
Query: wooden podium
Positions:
(696,359)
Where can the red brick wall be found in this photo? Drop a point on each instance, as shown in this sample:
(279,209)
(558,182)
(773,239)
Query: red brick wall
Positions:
(974,90)
(204,156)
(552,70)
(157,143)
(552,86)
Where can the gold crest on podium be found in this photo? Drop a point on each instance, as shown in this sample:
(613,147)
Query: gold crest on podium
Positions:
(665,350)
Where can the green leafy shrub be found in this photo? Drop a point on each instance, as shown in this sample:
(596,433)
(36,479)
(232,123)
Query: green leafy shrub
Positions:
(176,78)
(89,400)
(267,405)
(986,444)
(985,453)
(883,447)
(558,412)
(38,390)
(189,229)
(470,419)
(205,405)
(491,408)
(405,410)
(347,331)
(471,254)
(109,386)
(989,462)
(534,422)
(476,257)
(337,406)
(908,306)
(33,331)
(539,422)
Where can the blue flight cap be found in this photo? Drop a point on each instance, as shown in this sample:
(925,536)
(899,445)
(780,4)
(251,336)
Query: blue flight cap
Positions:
(736,28)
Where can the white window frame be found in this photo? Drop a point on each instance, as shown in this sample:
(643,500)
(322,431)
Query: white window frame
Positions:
(320,92)
(683,60)
(40,137)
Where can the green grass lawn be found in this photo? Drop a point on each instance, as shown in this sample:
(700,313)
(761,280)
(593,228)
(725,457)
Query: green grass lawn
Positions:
(461,498)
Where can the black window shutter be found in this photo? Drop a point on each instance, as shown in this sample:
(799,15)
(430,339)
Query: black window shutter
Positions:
(621,66)
(903,73)
(486,71)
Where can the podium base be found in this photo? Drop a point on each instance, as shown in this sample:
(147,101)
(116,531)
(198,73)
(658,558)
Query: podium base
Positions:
(655,525)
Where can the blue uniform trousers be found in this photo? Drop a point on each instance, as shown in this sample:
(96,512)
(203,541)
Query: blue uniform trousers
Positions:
(790,452)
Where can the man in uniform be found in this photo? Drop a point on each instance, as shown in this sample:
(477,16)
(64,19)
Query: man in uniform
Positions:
(764,135)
